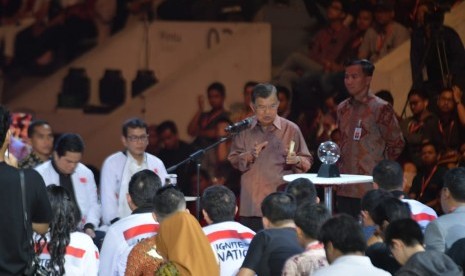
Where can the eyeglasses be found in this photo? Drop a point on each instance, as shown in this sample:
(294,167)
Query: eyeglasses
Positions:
(262,108)
(134,138)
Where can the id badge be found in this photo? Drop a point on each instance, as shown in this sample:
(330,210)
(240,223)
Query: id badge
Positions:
(357,133)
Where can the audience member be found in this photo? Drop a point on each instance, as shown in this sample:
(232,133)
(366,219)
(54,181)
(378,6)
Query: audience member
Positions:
(303,190)
(105,12)
(15,16)
(284,98)
(434,45)
(174,151)
(456,252)
(262,154)
(242,110)
(451,127)
(118,168)
(229,239)
(345,245)
(15,249)
(387,96)
(461,161)
(363,22)
(387,211)
(271,247)
(368,203)
(68,251)
(41,139)
(441,233)
(427,184)
(227,175)
(310,122)
(388,175)
(180,238)
(154,141)
(369,133)
(326,47)
(417,128)
(204,126)
(309,218)
(385,35)
(122,235)
(405,240)
(66,170)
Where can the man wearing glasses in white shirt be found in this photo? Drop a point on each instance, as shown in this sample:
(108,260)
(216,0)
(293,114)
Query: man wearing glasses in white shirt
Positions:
(118,168)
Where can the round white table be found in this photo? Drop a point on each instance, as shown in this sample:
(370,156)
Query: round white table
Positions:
(329,182)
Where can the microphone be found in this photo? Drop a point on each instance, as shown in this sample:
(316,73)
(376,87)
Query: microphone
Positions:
(239,125)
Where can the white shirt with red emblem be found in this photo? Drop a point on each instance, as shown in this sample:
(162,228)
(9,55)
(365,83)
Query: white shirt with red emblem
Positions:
(230,240)
(121,238)
(116,172)
(81,257)
(421,213)
(85,190)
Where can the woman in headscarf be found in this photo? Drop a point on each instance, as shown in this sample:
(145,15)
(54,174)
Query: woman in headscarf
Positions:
(180,239)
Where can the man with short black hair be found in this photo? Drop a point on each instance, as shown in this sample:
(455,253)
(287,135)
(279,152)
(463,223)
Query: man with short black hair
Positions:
(441,233)
(15,249)
(119,167)
(122,235)
(65,169)
(388,175)
(303,190)
(229,239)
(308,218)
(369,133)
(345,245)
(385,35)
(271,247)
(385,212)
(40,137)
(174,151)
(405,240)
(429,180)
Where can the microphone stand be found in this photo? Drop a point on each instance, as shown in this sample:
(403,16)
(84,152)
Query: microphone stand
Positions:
(197,156)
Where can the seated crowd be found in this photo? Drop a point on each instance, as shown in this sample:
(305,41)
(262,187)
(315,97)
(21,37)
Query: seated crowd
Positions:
(396,235)
(132,221)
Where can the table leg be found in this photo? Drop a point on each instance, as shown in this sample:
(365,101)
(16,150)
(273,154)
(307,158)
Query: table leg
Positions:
(329,198)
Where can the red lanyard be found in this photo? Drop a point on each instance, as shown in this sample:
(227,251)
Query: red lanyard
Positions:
(424,183)
(414,126)
(441,130)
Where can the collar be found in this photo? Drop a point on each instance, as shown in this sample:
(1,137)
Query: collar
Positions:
(314,245)
(55,167)
(276,123)
(365,100)
(133,160)
(143,209)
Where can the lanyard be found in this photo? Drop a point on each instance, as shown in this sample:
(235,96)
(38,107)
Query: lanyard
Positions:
(425,183)
(443,134)
(414,126)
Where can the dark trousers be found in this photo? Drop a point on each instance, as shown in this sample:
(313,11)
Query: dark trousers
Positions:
(254,223)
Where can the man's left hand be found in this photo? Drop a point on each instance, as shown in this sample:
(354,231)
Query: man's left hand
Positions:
(292,159)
